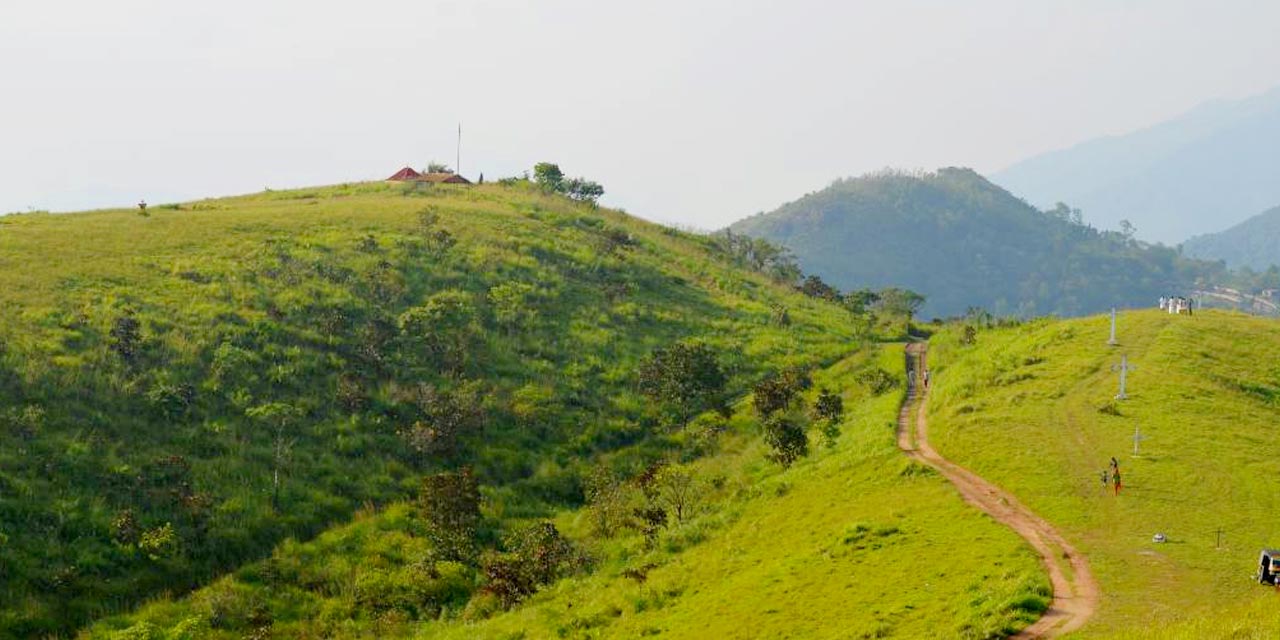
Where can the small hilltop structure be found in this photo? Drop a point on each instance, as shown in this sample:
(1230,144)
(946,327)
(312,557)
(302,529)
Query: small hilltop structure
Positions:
(408,174)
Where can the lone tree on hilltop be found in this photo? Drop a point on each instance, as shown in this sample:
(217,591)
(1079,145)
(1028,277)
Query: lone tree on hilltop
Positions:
(548,176)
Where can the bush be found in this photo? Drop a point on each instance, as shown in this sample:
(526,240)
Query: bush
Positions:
(877,380)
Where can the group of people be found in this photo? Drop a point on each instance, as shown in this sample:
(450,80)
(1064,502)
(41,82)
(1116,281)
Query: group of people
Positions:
(1176,304)
(1112,476)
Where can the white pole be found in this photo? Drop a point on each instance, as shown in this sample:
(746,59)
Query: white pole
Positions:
(1112,341)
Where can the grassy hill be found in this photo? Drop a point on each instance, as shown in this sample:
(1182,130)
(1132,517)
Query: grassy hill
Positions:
(962,241)
(181,392)
(1031,409)
(852,541)
(1252,243)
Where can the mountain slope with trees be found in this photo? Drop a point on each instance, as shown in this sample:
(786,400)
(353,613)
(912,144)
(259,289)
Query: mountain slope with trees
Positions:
(183,388)
(962,241)
(1254,243)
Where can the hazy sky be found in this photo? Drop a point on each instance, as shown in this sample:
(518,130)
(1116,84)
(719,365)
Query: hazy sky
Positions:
(691,112)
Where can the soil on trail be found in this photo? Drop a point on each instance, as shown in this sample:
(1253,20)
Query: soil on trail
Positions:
(1075,593)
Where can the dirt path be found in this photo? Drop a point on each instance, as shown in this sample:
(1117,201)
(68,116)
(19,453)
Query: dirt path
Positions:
(1075,593)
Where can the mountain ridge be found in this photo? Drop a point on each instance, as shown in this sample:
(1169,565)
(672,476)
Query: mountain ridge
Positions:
(1174,179)
(963,241)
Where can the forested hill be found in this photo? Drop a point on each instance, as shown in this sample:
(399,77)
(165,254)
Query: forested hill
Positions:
(182,389)
(963,241)
(1254,243)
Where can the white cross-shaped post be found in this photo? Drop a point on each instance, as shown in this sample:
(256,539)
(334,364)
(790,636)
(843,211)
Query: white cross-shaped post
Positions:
(1112,341)
(1137,437)
(1124,368)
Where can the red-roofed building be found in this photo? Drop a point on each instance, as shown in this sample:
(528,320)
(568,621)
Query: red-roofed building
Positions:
(406,173)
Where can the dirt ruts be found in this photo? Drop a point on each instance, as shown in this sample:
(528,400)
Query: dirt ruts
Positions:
(1075,593)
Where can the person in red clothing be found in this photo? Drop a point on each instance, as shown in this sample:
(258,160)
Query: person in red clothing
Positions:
(1115,479)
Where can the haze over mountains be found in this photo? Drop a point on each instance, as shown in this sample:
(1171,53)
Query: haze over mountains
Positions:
(963,241)
(1199,173)
(1254,243)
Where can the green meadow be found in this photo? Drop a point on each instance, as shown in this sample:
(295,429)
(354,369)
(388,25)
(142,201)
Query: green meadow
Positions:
(1031,409)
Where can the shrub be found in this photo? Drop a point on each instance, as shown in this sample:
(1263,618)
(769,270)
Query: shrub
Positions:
(877,380)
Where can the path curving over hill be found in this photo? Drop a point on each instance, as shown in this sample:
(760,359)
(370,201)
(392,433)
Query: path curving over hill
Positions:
(1075,593)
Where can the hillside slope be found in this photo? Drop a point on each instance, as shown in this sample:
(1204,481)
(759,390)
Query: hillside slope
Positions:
(1254,243)
(1031,408)
(182,391)
(830,548)
(962,241)
(1194,174)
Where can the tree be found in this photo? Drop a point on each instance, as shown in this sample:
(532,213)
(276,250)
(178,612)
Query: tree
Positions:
(280,416)
(686,376)
(900,302)
(829,406)
(814,287)
(608,501)
(441,419)
(777,391)
(438,239)
(786,439)
(548,176)
(438,167)
(450,507)
(583,190)
(1128,230)
(442,326)
(829,409)
(678,490)
(536,556)
(513,305)
(859,302)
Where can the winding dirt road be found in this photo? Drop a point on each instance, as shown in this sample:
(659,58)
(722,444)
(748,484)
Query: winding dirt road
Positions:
(1075,593)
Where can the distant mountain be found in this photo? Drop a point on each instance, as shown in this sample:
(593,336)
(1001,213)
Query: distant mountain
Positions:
(1195,174)
(963,241)
(1254,243)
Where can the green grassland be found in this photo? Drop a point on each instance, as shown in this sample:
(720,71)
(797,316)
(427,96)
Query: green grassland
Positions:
(851,542)
(156,372)
(1030,408)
